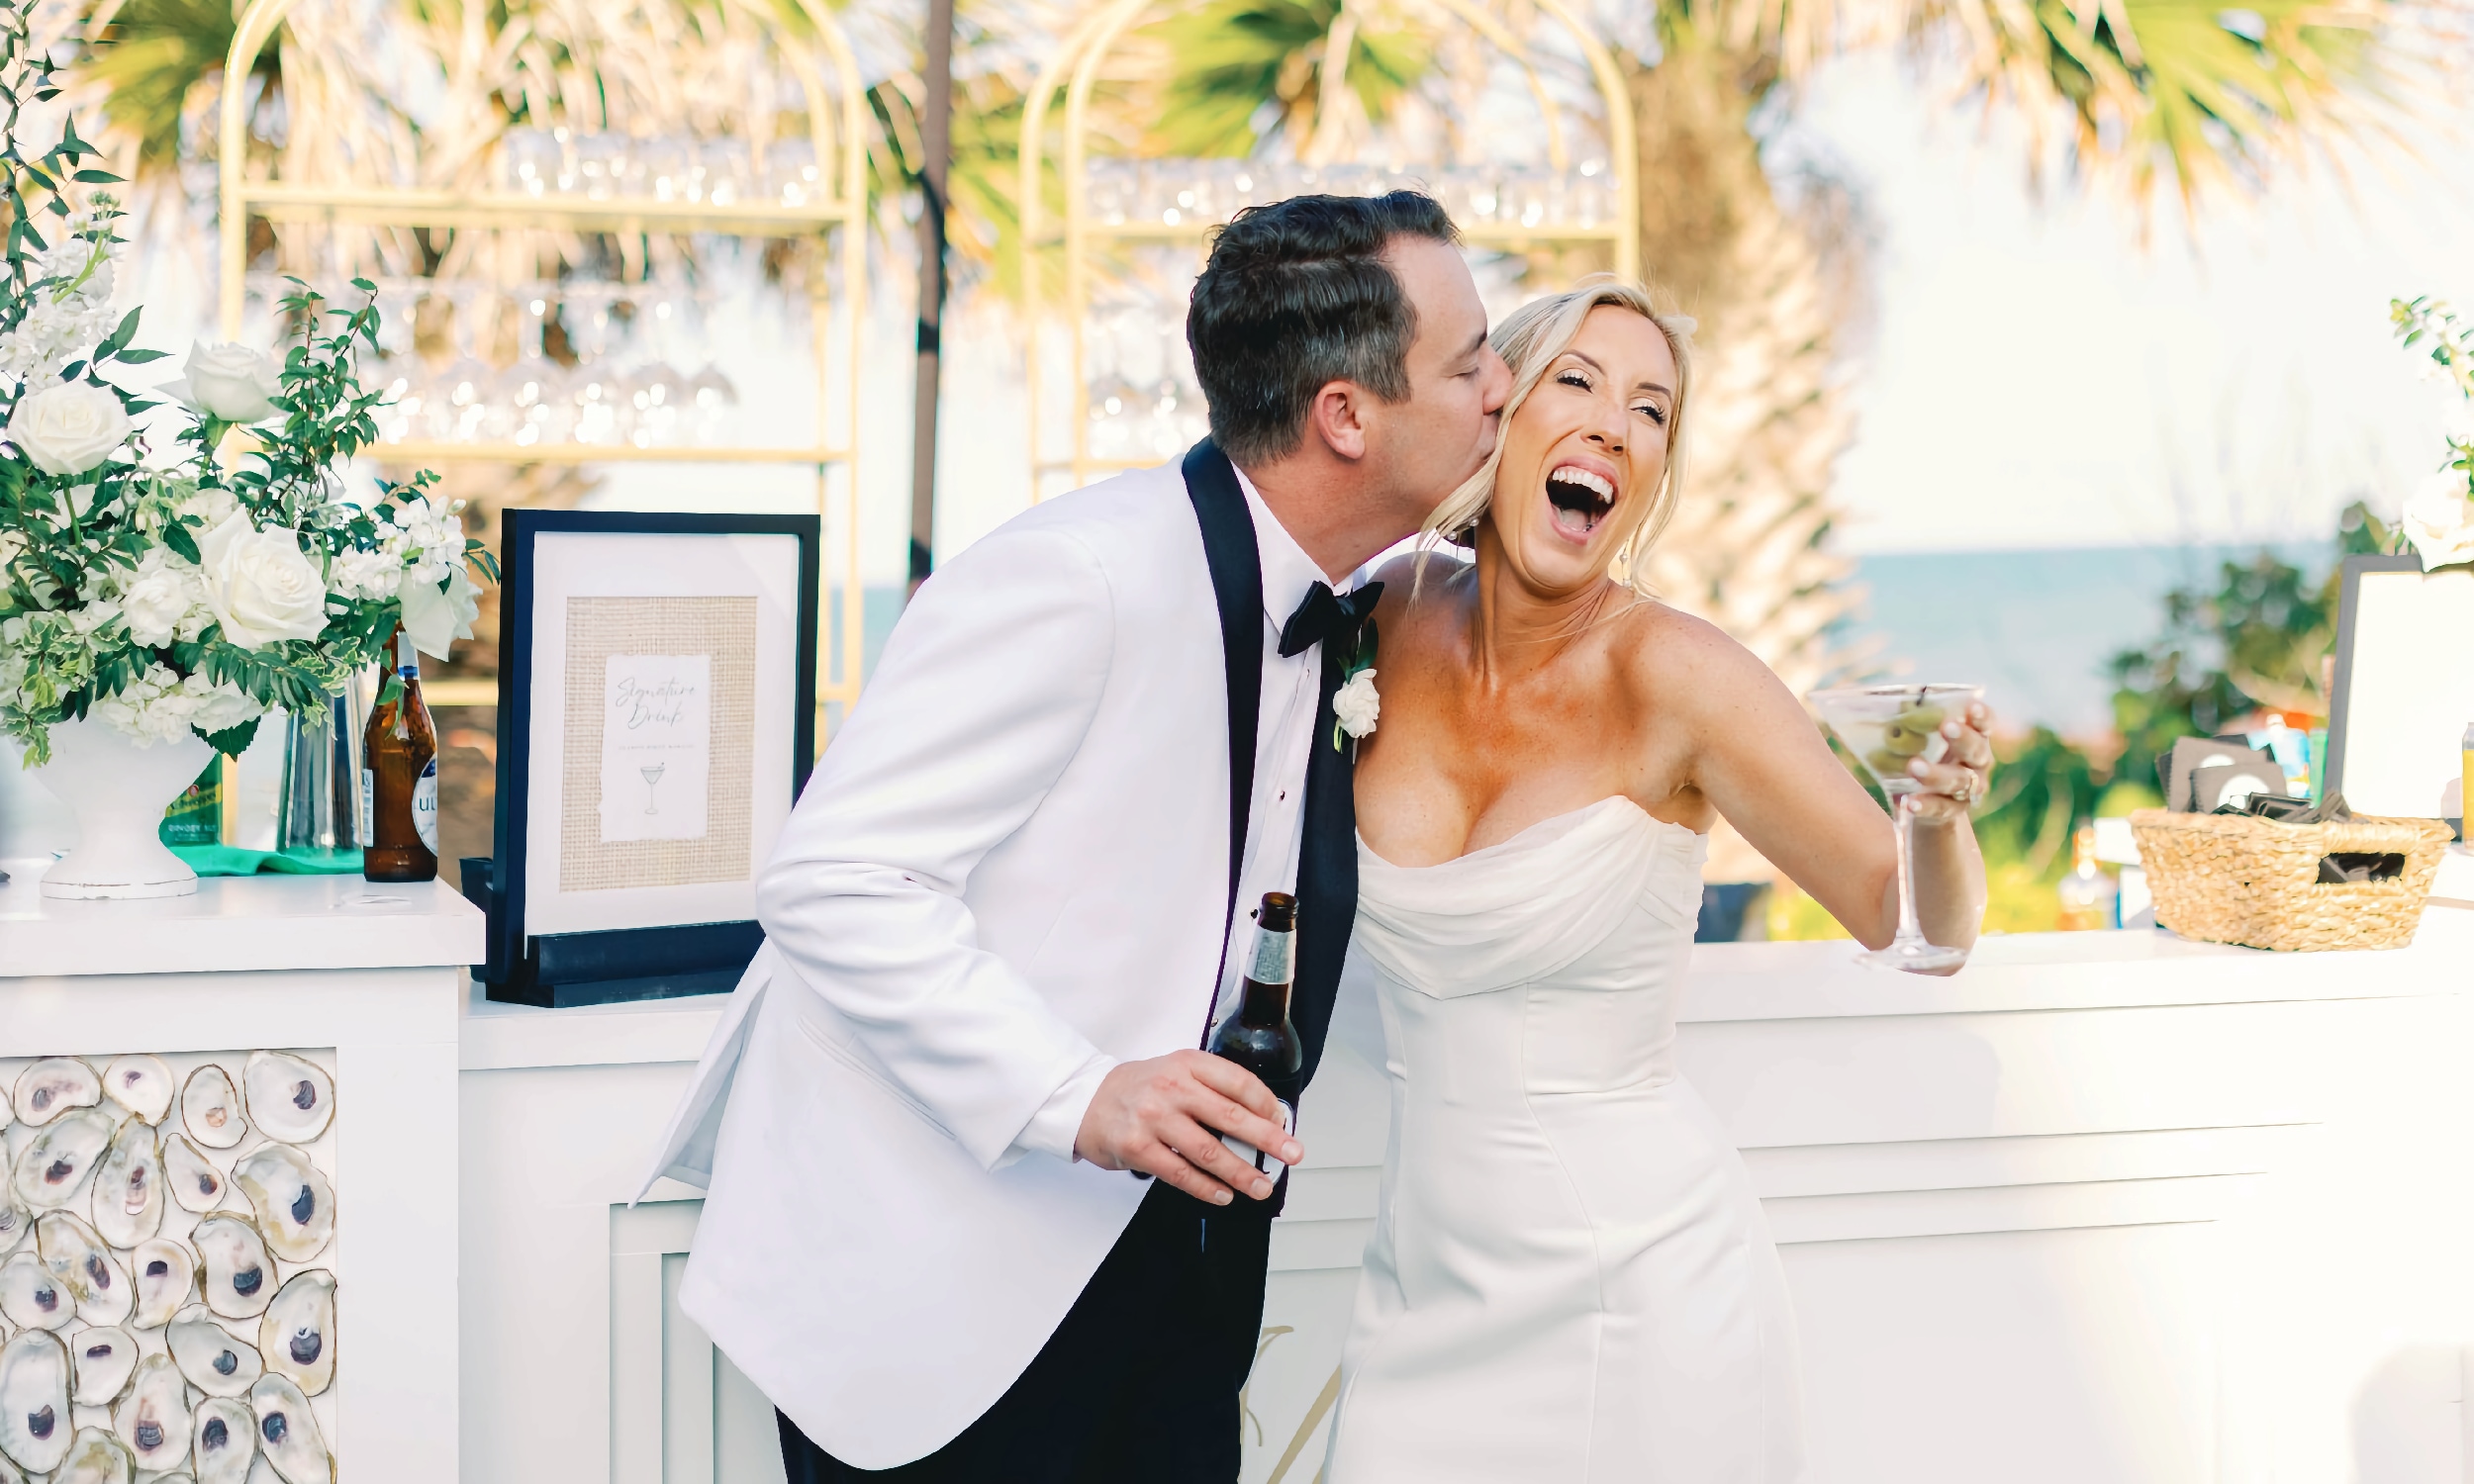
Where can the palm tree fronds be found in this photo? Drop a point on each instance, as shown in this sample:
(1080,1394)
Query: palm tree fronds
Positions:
(1234,61)
(145,58)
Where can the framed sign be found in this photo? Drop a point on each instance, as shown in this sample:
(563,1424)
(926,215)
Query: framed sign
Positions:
(657,722)
(2403,685)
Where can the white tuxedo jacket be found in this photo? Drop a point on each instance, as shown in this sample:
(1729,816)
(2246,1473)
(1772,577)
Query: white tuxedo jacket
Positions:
(1015,852)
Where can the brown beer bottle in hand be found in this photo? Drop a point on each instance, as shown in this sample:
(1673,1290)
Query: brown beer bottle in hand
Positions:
(1258,1036)
(400,778)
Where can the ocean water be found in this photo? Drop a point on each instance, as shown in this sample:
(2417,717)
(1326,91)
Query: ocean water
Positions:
(2033,627)
(2036,627)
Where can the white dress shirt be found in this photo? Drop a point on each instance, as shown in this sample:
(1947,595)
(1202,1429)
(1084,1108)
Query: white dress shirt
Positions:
(1283,727)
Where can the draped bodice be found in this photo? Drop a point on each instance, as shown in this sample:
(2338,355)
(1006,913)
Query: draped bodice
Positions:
(1604,896)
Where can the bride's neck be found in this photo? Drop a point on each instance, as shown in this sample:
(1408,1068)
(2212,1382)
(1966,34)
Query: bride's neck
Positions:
(1514,628)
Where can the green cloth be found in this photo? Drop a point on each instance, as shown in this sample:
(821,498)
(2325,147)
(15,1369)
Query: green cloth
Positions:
(231,859)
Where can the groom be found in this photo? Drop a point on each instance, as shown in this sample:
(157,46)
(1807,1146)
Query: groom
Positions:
(970,1218)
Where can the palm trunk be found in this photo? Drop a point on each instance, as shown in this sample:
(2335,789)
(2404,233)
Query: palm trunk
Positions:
(1767,415)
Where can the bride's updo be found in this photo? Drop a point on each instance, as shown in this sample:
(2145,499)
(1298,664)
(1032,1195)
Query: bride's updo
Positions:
(1529,339)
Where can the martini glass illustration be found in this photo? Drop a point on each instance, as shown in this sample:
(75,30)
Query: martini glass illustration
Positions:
(1887,727)
(653,775)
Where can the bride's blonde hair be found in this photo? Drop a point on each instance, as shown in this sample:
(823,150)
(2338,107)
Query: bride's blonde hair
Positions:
(1529,339)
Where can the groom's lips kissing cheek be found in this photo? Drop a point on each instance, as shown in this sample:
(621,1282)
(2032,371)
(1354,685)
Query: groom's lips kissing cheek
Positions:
(1581,493)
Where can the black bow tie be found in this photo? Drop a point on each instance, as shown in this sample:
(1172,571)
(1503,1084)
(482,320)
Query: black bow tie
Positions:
(1325,616)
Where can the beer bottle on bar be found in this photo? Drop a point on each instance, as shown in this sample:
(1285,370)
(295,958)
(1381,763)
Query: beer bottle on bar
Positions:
(1258,1034)
(400,778)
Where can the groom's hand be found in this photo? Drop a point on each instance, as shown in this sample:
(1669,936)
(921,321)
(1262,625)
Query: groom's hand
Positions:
(1164,1117)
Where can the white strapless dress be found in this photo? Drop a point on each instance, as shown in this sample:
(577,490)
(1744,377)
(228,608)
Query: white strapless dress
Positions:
(1569,1279)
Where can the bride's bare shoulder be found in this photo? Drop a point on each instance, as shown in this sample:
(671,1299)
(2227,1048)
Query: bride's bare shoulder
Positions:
(1681,660)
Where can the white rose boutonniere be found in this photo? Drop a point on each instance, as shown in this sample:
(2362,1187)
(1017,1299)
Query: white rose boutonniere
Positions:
(69,428)
(260,585)
(1354,706)
(2439,523)
(229,382)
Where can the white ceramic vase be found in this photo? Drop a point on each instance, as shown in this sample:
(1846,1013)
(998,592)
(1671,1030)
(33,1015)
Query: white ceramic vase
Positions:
(118,792)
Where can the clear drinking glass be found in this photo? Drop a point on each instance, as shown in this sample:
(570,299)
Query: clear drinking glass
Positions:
(1887,727)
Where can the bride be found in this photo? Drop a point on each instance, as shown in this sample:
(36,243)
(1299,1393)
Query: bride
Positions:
(1570,1279)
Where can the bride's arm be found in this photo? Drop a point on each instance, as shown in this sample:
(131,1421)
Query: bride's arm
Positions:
(1760,760)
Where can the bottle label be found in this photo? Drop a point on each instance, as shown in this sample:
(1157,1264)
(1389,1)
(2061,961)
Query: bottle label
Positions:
(1287,1124)
(1274,959)
(426,805)
(369,807)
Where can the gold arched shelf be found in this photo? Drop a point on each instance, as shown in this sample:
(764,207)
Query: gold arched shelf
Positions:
(1071,74)
(828,75)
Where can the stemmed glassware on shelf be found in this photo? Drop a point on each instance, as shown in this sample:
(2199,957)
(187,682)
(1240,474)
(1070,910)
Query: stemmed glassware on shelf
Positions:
(1887,727)
(1143,404)
(628,387)
(1123,192)
(606,165)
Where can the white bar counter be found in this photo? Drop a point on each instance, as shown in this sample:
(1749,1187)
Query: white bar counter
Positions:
(364,981)
(2103,1207)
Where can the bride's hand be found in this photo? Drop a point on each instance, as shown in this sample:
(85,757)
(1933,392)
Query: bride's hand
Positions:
(1953,785)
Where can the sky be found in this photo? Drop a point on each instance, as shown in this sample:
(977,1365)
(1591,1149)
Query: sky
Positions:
(2036,378)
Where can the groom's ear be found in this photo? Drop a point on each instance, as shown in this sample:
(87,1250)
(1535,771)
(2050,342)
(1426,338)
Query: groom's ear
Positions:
(1337,417)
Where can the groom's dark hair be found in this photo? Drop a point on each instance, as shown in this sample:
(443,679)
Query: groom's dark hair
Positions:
(1298,295)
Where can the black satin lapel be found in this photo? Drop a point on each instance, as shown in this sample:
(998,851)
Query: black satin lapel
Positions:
(1236,564)
(1327,871)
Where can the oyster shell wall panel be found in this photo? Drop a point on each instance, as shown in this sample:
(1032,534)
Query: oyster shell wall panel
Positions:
(102,1201)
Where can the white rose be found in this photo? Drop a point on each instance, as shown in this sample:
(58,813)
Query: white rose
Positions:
(2440,522)
(156,599)
(211,504)
(435,618)
(260,585)
(229,381)
(1354,706)
(69,428)
(364,575)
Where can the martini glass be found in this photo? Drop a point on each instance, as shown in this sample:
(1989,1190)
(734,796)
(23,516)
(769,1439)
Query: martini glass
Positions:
(1888,727)
(652,776)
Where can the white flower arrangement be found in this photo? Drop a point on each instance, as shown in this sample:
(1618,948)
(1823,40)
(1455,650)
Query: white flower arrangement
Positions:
(167,596)
(2439,519)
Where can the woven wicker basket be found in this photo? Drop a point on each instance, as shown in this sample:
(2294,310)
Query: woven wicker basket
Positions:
(2235,879)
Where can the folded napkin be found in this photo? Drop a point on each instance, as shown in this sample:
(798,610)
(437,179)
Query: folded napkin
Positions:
(231,859)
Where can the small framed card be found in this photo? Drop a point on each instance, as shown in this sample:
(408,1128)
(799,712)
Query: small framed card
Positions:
(657,722)
(2404,686)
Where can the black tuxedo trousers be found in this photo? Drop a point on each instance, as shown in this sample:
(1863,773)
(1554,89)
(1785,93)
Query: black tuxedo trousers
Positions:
(1138,1386)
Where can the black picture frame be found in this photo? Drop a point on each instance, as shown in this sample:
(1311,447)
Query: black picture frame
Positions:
(594,967)
(2340,684)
